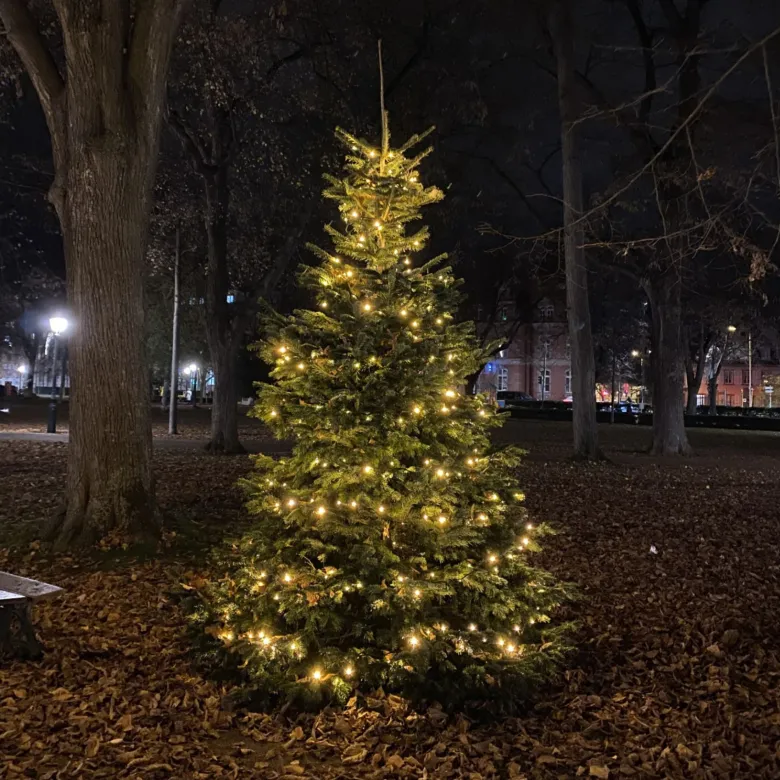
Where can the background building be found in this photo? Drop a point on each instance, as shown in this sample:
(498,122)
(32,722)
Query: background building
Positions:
(537,359)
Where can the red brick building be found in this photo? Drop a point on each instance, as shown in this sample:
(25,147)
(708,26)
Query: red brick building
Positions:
(538,359)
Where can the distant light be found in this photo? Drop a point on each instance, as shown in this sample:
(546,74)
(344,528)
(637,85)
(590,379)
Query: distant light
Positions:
(731,329)
(634,353)
(22,369)
(193,367)
(58,325)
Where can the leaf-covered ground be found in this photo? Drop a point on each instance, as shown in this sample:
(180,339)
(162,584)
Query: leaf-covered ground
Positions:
(677,673)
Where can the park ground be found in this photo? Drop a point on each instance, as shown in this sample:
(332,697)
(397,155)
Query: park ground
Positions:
(676,673)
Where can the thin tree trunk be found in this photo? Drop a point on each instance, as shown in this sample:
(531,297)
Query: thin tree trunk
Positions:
(577,304)
(173,410)
(713,393)
(669,437)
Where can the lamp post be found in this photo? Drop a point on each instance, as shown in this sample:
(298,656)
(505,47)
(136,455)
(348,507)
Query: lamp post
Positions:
(22,371)
(635,353)
(192,370)
(58,326)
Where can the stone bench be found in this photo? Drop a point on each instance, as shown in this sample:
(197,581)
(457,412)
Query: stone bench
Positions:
(17,596)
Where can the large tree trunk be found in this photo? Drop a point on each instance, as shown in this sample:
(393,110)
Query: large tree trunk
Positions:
(669,437)
(103,111)
(222,330)
(577,304)
(109,484)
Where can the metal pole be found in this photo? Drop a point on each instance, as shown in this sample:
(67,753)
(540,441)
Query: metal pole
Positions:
(174,382)
(642,388)
(612,406)
(750,369)
(52,422)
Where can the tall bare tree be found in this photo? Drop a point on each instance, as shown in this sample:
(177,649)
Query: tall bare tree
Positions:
(577,303)
(102,97)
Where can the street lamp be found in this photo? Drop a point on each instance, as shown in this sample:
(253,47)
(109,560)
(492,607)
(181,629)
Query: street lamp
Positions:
(635,353)
(58,326)
(22,371)
(192,370)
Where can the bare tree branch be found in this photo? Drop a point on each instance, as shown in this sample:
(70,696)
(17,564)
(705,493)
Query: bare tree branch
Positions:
(25,36)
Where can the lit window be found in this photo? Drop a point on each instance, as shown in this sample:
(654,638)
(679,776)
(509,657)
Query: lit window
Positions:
(567,382)
(502,379)
(231,298)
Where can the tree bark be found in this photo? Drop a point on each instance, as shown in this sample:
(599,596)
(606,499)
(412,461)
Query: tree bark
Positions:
(104,121)
(577,303)
(669,437)
(713,393)
(222,330)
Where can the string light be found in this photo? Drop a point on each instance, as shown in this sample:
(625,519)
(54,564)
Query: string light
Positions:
(316,674)
(350,273)
(367,469)
(366,307)
(380,509)
(450,393)
(287,577)
(348,671)
(321,510)
(414,641)
(416,410)
(403,312)
(472,627)
(273,412)
(301,366)
(442,519)
(417,593)
(291,502)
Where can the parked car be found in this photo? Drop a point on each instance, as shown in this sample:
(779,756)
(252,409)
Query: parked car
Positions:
(508,398)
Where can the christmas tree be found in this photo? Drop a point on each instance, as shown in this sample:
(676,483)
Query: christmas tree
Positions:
(391,548)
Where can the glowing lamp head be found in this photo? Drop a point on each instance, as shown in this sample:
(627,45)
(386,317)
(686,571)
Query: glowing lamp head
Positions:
(58,325)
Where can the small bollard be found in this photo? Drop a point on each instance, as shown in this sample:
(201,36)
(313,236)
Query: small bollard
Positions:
(52,426)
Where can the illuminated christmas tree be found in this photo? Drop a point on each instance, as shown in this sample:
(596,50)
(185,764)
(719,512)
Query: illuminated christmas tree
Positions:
(391,548)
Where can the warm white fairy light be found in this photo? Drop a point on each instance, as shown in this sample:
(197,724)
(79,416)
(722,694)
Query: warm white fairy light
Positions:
(367,469)
(450,393)
(287,577)
(417,593)
(440,473)
(321,510)
(282,350)
(416,410)
(525,541)
(316,674)
(442,519)
(362,239)
(350,273)
(492,558)
(529,526)
(415,324)
(301,366)
(348,671)
(403,312)
(380,509)
(366,307)
(472,626)
(414,641)
(353,504)
(516,628)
